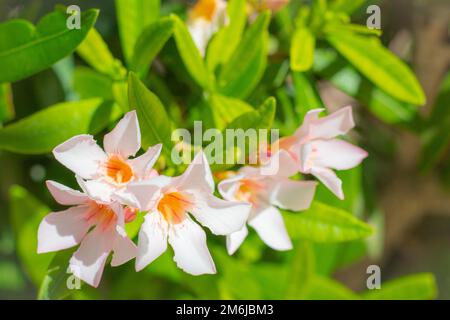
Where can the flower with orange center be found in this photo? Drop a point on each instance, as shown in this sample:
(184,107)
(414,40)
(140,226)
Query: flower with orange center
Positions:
(169,203)
(98,227)
(204,9)
(103,174)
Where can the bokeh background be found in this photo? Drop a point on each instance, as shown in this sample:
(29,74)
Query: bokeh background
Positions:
(406,180)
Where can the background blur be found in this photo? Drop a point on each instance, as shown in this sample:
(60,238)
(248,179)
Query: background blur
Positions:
(406,180)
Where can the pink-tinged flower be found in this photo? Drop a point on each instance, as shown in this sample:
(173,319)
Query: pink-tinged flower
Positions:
(206,17)
(265,193)
(316,150)
(104,174)
(98,227)
(169,203)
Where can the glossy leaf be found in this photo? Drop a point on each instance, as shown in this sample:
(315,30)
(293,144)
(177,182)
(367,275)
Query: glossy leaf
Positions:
(226,109)
(26,49)
(379,65)
(6,102)
(44,130)
(302,49)
(90,84)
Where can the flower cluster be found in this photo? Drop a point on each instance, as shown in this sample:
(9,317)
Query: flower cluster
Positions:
(115,185)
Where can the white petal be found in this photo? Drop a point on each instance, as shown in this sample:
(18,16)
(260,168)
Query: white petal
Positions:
(330,180)
(197,176)
(201,32)
(222,217)
(235,240)
(98,190)
(147,192)
(188,241)
(291,194)
(333,125)
(82,155)
(88,262)
(124,249)
(280,163)
(337,154)
(270,227)
(228,187)
(144,163)
(65,195)
(152,239)
(62,230)
(125,138)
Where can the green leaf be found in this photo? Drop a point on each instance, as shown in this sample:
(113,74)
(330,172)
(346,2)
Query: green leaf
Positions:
(133,16)
(91,84)
(54,286)
(250,58)
(262,118)
(223,44)
(226,109)
(346,6)
(150,42)
(413,287)
(302,49)
(153,119)
(96,53)
(191,55)
(26,49)
(379,65)
(6,102)
(322,288)
(26,213)
(345,77)
(306,95)
(44,130)
(301,271)
(323,223)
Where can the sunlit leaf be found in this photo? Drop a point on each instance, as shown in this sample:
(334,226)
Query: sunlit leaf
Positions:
(302,49)
(306,94)
(301,272)
(322,288)
(226,109)
(91,84)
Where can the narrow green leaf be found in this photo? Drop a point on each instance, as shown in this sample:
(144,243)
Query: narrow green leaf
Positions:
(6,103)
(153,119)
(306,94)
(379,65)
(96,53)
(301,271)
(323,223)
(346,6)
(26,49)
(191,55)
(26,213)
(262,118)
(413,287)
(44,130)
(133,16)
(322,288)
(226,109)
(91,84)
(302,49)
(150,42)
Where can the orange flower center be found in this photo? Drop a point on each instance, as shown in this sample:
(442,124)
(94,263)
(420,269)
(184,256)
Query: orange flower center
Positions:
(174,205)
(118,169)
(101,214)
(204,9)
(248,190)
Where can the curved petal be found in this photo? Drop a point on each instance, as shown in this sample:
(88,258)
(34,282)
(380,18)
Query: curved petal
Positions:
(337,154)
(65,195)
(62,230)
(269,225)
(82,155)
(152,239)
(228,187)
(201,32)
(188,241)
(124,249)
(222,217)
(291,194)
(330,180)
(98,190)
(197,176)
(125,138)
(235,240)
(147,192)
(88,262)
(281,163)
(333,125)
(310,117)
(143,164)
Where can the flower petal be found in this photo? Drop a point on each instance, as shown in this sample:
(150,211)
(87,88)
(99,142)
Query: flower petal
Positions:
(337,154)
(269,225)
(82,155)
(188,241)
(152,239)
(65,195)
(197,176)
(222,217)
(143,164)
(124,249)
(88,262)
(62,230)
(98,190)
(291,194)
(125,138)
(146,193)
(228,187)
(330,180)
(201,32)
(235,240)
